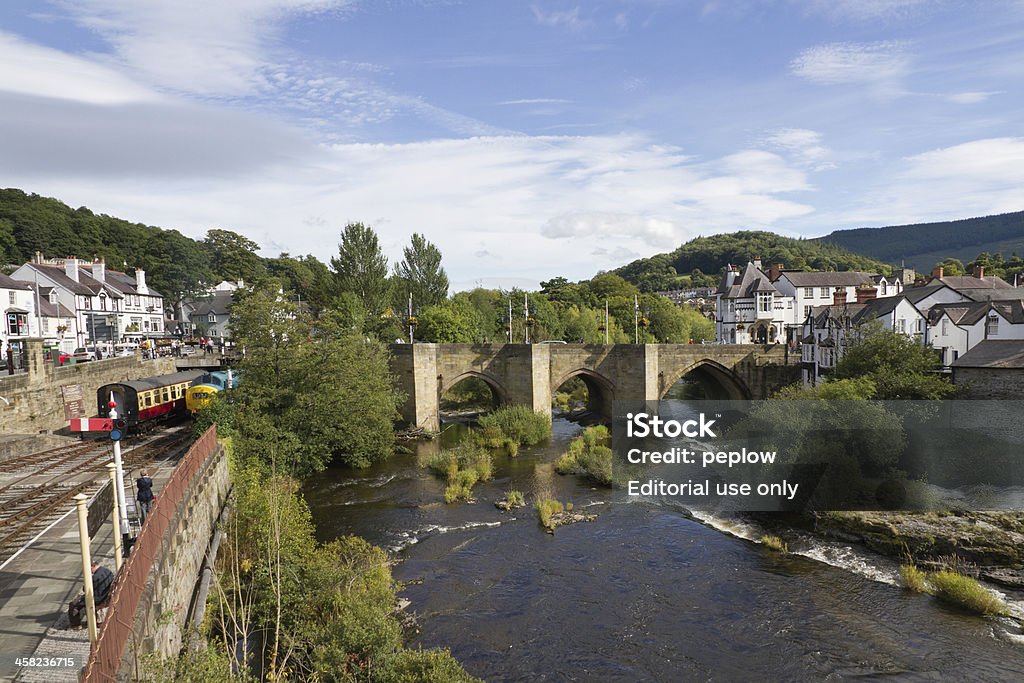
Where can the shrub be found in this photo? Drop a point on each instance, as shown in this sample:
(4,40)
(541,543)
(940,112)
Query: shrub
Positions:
(546,508)
(519,423)
(463,466)
(415,666)
(774,543)
(588,456)
(515,498)
(913,578)
(966,592)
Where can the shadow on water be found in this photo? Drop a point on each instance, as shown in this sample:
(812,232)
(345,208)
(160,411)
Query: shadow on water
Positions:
(646,592)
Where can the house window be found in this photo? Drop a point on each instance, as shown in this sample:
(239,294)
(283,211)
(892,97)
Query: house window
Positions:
(53,296)
(12,297)
(901,326)
(885,288)
(764,302)
(808,292)
(807,310)
(789,303)
(945,327)
(212,318)
(992,326)
(823,291)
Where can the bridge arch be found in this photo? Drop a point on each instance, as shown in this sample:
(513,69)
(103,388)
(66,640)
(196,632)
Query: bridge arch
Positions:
(717,380)
(600,389)
(499,395)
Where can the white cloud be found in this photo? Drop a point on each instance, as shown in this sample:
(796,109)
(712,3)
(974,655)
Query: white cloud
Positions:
(882,63)
(583,224)
(868,10)
(972,97)
(803,145)
(194,46)
(570,19)
(41,71)
(975,178)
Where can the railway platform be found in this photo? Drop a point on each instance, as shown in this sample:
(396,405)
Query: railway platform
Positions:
(39,579)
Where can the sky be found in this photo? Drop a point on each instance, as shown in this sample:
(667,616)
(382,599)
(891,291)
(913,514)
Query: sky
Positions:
(526,139)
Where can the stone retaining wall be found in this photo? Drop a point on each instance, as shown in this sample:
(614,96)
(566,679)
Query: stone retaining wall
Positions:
(33,402)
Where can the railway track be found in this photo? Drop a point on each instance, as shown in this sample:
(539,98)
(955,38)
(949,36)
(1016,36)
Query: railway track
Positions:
(37,489)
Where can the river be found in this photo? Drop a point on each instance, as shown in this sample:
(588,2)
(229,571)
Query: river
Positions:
(647,592)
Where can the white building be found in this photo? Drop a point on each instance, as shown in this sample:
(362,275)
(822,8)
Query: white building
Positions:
(956,328)
(109,305)
(829,330)
(20,321)
(749,308)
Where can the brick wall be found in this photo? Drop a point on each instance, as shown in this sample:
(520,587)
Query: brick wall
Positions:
(34,403)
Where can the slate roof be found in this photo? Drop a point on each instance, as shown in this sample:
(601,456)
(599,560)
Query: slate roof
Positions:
(970,312)
(752,280)
(916,294)
(993,354)
(845,278)
(217,303)
(7,282)
(995,294)
(85,286)
(959,282)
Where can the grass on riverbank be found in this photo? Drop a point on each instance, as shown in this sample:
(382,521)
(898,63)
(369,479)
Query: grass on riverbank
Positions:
(774,543)
(518,424)
(463,466)
(955,588)
(588,455)
(547,507)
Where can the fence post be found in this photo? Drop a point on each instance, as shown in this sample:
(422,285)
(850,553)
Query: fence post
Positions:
(83,537)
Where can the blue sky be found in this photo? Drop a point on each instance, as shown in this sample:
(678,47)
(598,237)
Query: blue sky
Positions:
(526,139)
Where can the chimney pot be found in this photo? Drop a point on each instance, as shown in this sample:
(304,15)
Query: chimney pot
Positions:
(866,293)
(979,272)
(839,296)
(775,272)
(757,262)
(71,268)
(937,272)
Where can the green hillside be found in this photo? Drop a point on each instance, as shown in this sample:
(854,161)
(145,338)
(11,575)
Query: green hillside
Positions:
(699,261)
(923,245)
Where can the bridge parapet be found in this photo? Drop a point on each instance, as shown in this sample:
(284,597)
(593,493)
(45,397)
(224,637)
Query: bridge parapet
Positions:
(527,374)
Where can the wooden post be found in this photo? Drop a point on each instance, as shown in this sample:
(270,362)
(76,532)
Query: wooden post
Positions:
(83,534)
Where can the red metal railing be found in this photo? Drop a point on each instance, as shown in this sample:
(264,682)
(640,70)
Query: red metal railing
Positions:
(108,651)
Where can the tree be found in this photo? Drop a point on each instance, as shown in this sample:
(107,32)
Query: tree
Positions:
(311,385)
(233,257)
(898,366)
(362,268)
(951,267)
(420,274)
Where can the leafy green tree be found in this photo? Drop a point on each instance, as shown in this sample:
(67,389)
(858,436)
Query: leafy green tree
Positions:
(898,366)
(233,257)
(951,267)
(450,322)
(312,385)
(420,273)
(362,268)
(308,277)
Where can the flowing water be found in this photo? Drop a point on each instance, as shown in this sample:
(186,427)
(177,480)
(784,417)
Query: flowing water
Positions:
(647,592)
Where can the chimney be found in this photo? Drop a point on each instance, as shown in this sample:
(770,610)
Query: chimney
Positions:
(757,262)
(71,267)
(937,272)
(775,272)
(979,272)
(38,258)
(839,296)
(99,270)
(730,276)
(866,293)
(140,281)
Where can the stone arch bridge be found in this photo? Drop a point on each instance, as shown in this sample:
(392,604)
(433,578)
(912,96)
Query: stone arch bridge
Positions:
(527,374)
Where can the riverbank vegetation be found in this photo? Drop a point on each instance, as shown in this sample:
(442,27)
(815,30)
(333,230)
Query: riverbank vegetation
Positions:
(953,587)
(547,507)
(518,424)
(297,609)
(462,466)
(774,543)
(589,456)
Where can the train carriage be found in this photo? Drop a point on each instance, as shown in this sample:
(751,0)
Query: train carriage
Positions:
(144,401)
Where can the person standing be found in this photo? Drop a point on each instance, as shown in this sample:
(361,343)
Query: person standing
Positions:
(144,495)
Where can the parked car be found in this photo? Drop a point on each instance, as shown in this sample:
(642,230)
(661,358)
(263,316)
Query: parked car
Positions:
(82,354)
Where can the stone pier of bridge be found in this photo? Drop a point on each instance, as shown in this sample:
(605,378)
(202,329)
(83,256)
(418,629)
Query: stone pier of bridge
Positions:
(528,374)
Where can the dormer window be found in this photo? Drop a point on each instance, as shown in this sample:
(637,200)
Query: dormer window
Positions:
(53,296)
(211,318)
(992,326)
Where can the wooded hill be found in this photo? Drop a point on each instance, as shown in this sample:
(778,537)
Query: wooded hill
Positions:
(923,245)
(699,262)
